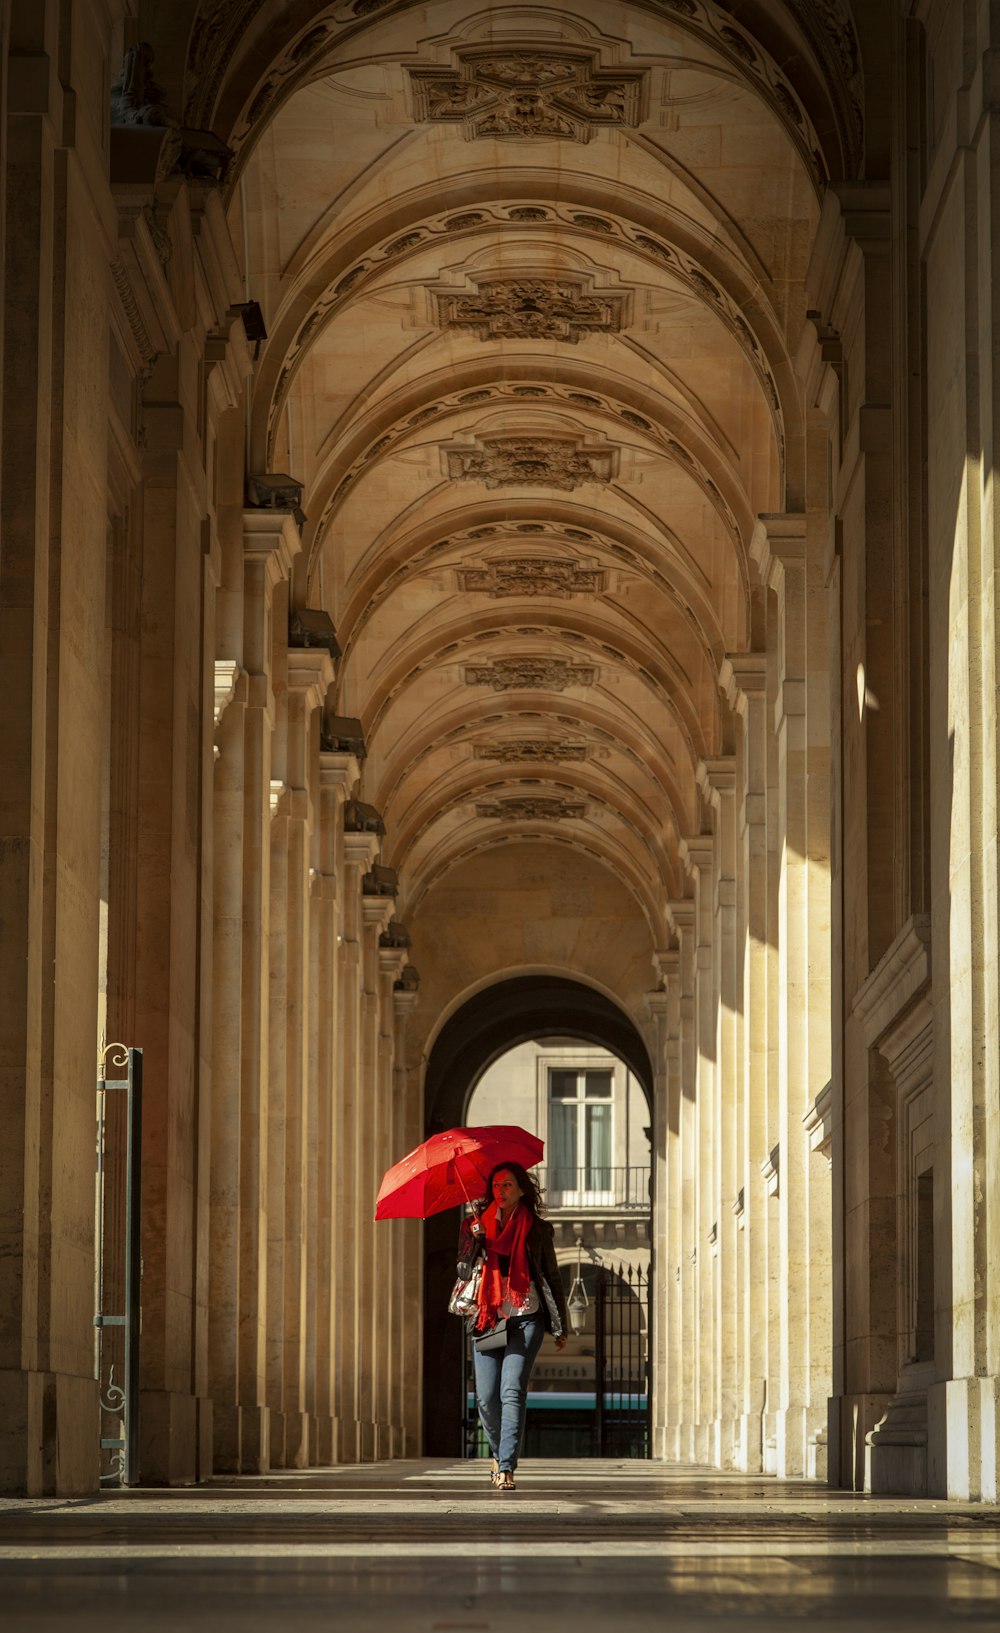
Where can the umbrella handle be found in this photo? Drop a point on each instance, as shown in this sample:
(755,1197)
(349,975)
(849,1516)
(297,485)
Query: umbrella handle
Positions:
(461,1181)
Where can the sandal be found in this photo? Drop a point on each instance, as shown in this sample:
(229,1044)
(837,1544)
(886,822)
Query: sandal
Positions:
(495,1475)
(505,1481)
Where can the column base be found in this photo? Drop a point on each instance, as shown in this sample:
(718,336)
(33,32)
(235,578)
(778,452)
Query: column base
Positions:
(383,1441)
(255,1439)
(276,1439)
(226,1439)
(205,1437)
(168,1438)
(896,1449)
(751,1443)
(323,1442)
(49,1435)
(348,1440)
(850,1419)
(297,1427)
(963,1439)
(367,1438)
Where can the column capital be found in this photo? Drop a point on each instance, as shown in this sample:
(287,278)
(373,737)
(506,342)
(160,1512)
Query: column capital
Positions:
(392,960)
(338,772)
(376,912)
(742,677)
(271,539)
(680,914)
(666,963)
(716,777)
(360,850)
(778,547)
(310,671)
(697,852)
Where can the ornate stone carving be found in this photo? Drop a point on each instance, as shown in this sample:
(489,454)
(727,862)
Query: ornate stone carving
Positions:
(535,750)
(532,461)
(530,674)
(536,808)
(136,99)
(527,95)
(532,309)
(533,575)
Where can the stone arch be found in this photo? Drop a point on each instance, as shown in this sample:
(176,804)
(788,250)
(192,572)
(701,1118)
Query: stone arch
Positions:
(483,1028)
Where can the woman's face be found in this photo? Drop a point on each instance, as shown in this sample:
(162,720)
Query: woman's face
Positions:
(506,1191)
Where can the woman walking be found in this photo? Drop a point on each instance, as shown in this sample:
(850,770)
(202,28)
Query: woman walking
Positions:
(521,1293)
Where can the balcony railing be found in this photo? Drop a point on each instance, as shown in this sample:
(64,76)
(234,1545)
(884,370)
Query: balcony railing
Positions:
(626,1187)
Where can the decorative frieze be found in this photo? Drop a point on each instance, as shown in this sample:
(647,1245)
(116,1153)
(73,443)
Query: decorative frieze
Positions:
(529,95)
(535,750)
(532,309)
(534,808)
(530,674)
(531,461)
(533,575)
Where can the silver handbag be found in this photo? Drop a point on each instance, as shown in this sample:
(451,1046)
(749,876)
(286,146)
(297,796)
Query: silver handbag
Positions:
(465,1293)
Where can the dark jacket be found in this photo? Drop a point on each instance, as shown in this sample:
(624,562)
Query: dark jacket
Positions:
(541,1263)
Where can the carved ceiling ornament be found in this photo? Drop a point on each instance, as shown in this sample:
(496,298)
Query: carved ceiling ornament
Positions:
(540,674)
(538,460)
(533,575)
(531,808)
(531,94)
(532,751)
(532,309)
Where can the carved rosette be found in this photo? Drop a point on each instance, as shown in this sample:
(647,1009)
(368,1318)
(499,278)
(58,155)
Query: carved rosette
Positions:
(531,461)
(532,309)
(532,750)
(532,575)
(530,674)
(527,95)
(537,808)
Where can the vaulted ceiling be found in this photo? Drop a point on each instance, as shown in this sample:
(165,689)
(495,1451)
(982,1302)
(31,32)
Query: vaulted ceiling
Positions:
(533,285)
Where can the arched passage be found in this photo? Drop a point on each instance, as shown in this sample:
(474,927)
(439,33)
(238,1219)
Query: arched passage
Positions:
(485,1027)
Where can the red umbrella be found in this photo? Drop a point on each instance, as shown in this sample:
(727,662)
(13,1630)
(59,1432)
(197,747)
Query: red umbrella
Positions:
(452,1168)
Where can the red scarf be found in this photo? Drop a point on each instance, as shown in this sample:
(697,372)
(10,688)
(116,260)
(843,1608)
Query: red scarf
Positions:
(508,1241)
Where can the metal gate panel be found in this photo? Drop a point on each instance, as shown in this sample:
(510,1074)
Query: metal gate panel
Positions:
(118,1261)
(622,1356)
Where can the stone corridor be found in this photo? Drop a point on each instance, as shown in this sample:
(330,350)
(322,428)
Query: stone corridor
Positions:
(426,1546)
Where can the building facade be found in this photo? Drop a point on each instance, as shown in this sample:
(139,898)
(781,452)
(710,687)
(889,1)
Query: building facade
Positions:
(506,494)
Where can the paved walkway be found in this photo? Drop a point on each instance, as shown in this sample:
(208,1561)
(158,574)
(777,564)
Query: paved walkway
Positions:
(428,1547)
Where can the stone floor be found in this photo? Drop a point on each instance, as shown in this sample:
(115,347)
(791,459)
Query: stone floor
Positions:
(428,1547)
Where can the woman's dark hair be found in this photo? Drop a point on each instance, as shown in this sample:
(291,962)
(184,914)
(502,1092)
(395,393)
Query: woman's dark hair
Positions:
(532,1196)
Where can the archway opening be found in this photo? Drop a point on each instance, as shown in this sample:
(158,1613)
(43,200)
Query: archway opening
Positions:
(561,1059)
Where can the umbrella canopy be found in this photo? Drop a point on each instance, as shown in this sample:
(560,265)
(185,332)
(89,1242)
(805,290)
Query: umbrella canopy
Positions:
(452,1168)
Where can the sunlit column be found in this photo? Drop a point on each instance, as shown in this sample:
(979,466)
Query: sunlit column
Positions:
(393,943)
(338,773)
(717,778)
(698,855)
(270,544)
(351,1297)
(309,676)
(780,552)
(373,1243)
(407,1121)
(682,916)
(663,1142)
(744,684)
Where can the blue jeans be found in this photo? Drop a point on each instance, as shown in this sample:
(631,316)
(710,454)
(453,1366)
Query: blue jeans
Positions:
(502,1387)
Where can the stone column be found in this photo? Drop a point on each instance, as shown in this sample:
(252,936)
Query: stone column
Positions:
(697,853)
(661,1258)
(372,1242)
(309,675)
(360,850)
(270,544)
(388,1237)
(337,776)
(408,1297)
(682,917)
(52,589)
(743,680)
(780,553)
(717,779)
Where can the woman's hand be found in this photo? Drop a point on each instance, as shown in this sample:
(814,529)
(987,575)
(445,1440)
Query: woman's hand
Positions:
(561,1341)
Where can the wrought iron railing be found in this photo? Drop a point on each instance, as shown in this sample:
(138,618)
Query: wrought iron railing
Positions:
(596,1187)
(118,1261)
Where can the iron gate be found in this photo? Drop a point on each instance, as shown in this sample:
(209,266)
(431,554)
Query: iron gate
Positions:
(621,1358)
(118,1262)
(606,1413)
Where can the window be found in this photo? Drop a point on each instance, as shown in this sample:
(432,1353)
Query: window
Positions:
(580,1130)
